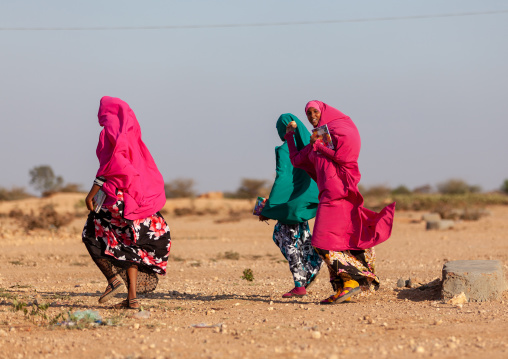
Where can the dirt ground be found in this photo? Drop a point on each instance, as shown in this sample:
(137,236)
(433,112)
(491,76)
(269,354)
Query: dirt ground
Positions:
(204,309)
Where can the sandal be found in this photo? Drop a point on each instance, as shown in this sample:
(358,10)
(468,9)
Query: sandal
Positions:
(128,304)
(111,289)
(347,293)
(343,294)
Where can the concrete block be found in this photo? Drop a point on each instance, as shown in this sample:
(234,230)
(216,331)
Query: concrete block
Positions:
(440,225)
(480,280)
(431,217)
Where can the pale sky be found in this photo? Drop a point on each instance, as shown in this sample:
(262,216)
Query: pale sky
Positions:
(429,95)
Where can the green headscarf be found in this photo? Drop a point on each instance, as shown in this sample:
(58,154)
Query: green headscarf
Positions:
(294,195)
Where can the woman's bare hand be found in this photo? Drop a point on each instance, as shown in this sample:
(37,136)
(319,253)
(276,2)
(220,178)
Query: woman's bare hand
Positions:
(89,198)
(291,126)
(313,138)
(89,202)
(263,218)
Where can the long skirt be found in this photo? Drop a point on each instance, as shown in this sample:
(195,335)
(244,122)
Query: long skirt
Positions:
(294,243)
(358,265)
(116,243)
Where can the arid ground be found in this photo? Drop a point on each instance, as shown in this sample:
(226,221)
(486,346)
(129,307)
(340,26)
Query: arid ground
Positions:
(203,308)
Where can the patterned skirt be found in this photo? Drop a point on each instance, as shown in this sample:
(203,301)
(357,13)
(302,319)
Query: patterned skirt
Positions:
(294,241)
(122,242)
(356,265)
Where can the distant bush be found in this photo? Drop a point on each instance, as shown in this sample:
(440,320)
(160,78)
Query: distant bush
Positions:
(13,194)
(48,218)
(436,202)
(457,186)
(180,188)
(401,190)
(504,186)
(250,188)
(426,188)
(43,179)
(72,188)
(377,191)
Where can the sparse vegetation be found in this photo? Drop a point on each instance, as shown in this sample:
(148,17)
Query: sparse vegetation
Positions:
(229,255)
(43,179)
(180,188)
(250,188)
(248,275)
(48,218)
(504,186)
(15,193)
(457,186)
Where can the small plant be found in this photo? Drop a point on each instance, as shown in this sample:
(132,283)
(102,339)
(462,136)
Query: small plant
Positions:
(231,255)
(32,310)
(248,275)
(5,294)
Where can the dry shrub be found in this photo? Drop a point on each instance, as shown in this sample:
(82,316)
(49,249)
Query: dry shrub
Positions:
(466,214)
(190,211)
(233,216)
(378,191)
(16,213)
(251,188)
(13,194)
(180,188)
(229,255)
(48,218)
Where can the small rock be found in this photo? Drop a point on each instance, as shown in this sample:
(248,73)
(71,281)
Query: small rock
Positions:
(409,283)
(142,315)
(401,282)
(419,350)
(458,299)
(316,335)
(136,326)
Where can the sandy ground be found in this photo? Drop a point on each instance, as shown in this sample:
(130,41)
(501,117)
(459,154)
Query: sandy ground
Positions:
(251,319)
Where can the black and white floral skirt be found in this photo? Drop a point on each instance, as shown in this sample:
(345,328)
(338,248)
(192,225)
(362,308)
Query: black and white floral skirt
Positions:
(144,242)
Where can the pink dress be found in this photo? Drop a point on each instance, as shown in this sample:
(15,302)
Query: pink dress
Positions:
(342,223)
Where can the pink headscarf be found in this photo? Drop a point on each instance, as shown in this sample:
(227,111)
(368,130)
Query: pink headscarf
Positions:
(328,113)
(126,163)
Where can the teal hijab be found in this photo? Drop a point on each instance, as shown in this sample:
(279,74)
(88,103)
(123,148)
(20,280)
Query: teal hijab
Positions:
(294,195)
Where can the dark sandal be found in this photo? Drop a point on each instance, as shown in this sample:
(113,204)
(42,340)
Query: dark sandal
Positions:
(110,291)
(128,304)
(134,304)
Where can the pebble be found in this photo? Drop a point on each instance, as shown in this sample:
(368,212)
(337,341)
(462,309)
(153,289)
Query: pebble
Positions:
(419,350)
(401,282)
(316,335)
(136,326)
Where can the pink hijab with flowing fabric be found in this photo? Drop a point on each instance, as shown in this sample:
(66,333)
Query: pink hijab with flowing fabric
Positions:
(342,223)
(126,163)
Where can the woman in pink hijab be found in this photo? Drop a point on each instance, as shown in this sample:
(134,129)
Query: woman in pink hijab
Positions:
(126,237)
(345,232)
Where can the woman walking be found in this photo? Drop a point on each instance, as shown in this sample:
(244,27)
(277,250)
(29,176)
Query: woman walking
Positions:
(127,238)
(292,202)
(344,232)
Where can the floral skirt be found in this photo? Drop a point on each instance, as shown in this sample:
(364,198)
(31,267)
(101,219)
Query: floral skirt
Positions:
(357,265)
(144,242)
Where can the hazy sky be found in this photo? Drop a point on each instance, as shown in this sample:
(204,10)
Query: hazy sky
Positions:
(428,95)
